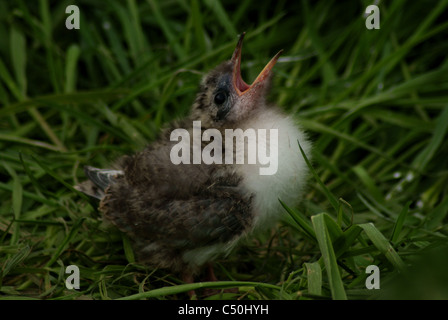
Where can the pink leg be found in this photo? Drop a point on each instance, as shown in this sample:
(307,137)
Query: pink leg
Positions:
(188,278)
(212,277)
(211,273)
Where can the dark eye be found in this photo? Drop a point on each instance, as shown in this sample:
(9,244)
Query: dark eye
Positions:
(220,98)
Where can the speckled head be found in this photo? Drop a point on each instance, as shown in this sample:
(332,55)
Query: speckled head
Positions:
(224,98)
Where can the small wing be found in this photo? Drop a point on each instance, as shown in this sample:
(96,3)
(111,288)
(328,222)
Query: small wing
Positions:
(202,222)
(214,216)
(99,180)
(102,178)
(90,189)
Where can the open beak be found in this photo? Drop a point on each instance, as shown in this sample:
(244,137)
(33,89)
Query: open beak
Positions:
(240,86)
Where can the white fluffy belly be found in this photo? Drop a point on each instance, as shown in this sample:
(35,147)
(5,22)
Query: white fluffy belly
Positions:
(288,182)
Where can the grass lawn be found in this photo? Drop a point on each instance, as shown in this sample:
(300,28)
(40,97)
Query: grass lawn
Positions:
(374,103)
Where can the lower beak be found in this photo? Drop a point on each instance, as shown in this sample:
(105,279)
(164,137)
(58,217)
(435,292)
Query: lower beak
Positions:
(240,86)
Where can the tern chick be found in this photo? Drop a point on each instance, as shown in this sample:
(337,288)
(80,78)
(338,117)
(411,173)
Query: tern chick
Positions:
(182,216)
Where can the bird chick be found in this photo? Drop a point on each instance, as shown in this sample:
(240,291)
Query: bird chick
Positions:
(182,216)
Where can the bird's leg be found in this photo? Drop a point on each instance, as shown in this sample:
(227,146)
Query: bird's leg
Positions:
(187,277)
(211,273)
(212,277)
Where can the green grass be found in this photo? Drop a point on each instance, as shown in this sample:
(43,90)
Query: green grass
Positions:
(374,102)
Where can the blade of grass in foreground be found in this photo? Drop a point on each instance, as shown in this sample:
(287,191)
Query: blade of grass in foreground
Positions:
(57,177)
(399,223)
(13,261)
(343,243)
(301,221)
(435,217)
(314,274)
(334,202)
(381,243)
(326,248)
(26,141)
(66,241)
(17,199)
(165,291)
(440,130)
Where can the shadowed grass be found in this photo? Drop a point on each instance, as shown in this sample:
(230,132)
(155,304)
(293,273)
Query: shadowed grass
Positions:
(374,102)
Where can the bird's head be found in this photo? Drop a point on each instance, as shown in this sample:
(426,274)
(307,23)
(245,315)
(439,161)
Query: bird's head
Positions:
(225,98)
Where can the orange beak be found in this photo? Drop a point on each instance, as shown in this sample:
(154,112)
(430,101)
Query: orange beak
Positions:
(240,86)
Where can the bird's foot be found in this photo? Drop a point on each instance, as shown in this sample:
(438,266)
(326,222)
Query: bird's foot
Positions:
(188,278)
(212,277)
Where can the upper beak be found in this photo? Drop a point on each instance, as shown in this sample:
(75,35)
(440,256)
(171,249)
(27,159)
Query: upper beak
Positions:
(240,86)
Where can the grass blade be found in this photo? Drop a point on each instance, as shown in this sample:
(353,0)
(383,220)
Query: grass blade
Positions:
(9,82)
(128,251)
(13,261)
(65,242)
(18,57)
(302,222)
(326,248)
(17,199)
(381,243)
(222,17)
(165,291)
(71,64)
(440,131)
(369,183)
(343,243)
(333,200)
(58,178)
(435,217)
(26,141)
(164,25)
(314,274)
(398,226)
